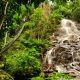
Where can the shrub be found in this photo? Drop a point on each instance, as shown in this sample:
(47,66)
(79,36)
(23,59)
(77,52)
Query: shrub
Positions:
(76,14)
(23,62)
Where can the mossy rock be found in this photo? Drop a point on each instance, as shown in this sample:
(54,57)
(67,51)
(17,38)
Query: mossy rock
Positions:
(5,76)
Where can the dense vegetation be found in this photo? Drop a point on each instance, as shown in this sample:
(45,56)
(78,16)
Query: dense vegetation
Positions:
(25,28)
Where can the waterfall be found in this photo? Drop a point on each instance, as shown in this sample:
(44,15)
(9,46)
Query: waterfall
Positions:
(67,48)
(68,30)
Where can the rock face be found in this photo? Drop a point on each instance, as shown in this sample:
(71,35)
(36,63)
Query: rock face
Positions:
(65,55)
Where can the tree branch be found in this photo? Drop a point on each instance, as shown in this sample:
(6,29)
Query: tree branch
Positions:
(15,38)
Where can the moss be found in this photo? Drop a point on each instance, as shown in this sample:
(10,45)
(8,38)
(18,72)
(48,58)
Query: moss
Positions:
(5,76)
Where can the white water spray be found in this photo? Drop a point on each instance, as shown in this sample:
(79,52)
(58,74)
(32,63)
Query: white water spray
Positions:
(68,30)
(48,57)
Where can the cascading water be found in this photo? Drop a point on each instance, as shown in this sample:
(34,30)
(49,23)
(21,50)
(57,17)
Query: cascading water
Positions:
(65,55)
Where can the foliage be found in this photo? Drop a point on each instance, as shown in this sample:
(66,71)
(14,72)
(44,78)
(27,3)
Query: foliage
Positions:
(58,76)
(5,76)
(76,14)
(24,62)
(23,57)
(37,78)
(40,27)
(55,76)
(63,10)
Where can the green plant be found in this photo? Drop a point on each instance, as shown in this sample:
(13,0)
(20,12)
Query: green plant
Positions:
(5,76)
(26,62)
(37,78)
(76,14)
(55,76)
(58,76)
